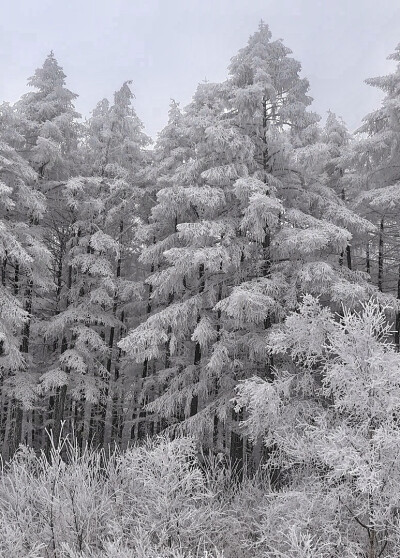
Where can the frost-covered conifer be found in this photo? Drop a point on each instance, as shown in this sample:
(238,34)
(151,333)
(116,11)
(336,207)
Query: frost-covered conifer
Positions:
(183,252)
(24,275)
(50,126)
(49,131)
(125,168)
(101,288)
(157,231)
(374,157)
(235,236)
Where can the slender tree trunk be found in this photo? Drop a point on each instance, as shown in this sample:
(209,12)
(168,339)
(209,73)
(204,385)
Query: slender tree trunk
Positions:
(348,255)
(257,452)
(128,429)
(59,413)
(7,449)
(16,279)
(218,430)
(4,270)
(266,245)
(57,401)
(86,433)
(380,255)
(106,432)
(138,415)
(237,446)
(14,416)
(27,325)
(5,404)
(194,404)
(348,247)
(61,395)
(397,330)
(20,414)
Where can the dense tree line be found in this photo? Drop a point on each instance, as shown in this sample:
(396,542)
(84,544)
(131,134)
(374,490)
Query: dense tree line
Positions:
(238,282)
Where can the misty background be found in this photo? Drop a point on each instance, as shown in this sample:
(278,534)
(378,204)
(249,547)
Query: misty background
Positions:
(168,46)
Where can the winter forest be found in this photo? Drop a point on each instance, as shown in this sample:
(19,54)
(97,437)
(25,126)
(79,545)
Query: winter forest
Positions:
(199,337)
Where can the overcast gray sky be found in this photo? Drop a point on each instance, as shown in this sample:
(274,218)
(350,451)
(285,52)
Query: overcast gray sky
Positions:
(168,46)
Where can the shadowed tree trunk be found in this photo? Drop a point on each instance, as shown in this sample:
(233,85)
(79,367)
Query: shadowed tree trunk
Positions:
(194,404)
(380,255)
(106,433)
(397,326)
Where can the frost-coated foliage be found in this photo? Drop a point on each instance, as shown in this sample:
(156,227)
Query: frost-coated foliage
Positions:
(238,283)
(246,220)
(374,163)
(333,418)
(164,500)
(143,283)
(49,127)
(151,501)
(24,257)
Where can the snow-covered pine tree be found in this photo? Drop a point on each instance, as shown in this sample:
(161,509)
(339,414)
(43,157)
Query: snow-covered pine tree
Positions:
(172,148)
(337,138)
(295,222)
(50,133)
(50,124)
(179,290)
(244,232)
(125,168)
(375,160)
(102,288)
(25,276)
(77,350)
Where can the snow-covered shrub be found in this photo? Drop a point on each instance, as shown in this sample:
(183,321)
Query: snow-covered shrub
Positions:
(47,502)
(334,416)
(152,501)
(166,494)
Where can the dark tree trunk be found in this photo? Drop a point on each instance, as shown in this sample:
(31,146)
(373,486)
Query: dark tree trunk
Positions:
(348,254)
(194,404)
(397,328)
(106,409)
(380,255)
(4,270)
(237,447)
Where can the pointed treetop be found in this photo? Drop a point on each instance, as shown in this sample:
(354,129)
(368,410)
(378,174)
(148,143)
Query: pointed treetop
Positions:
(49,76)
(124,96)
(51,98)
(263,32)
(335,130)
(267,66)
(263,27)
(174,111)
(389,84)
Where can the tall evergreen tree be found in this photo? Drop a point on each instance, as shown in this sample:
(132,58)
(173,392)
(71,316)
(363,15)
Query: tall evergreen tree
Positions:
(376,174)
(50,133)
(25,261)
(237,239)
(51,128)
(101,287)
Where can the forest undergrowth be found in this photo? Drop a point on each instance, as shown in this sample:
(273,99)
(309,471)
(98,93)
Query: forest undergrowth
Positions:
(160,499)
